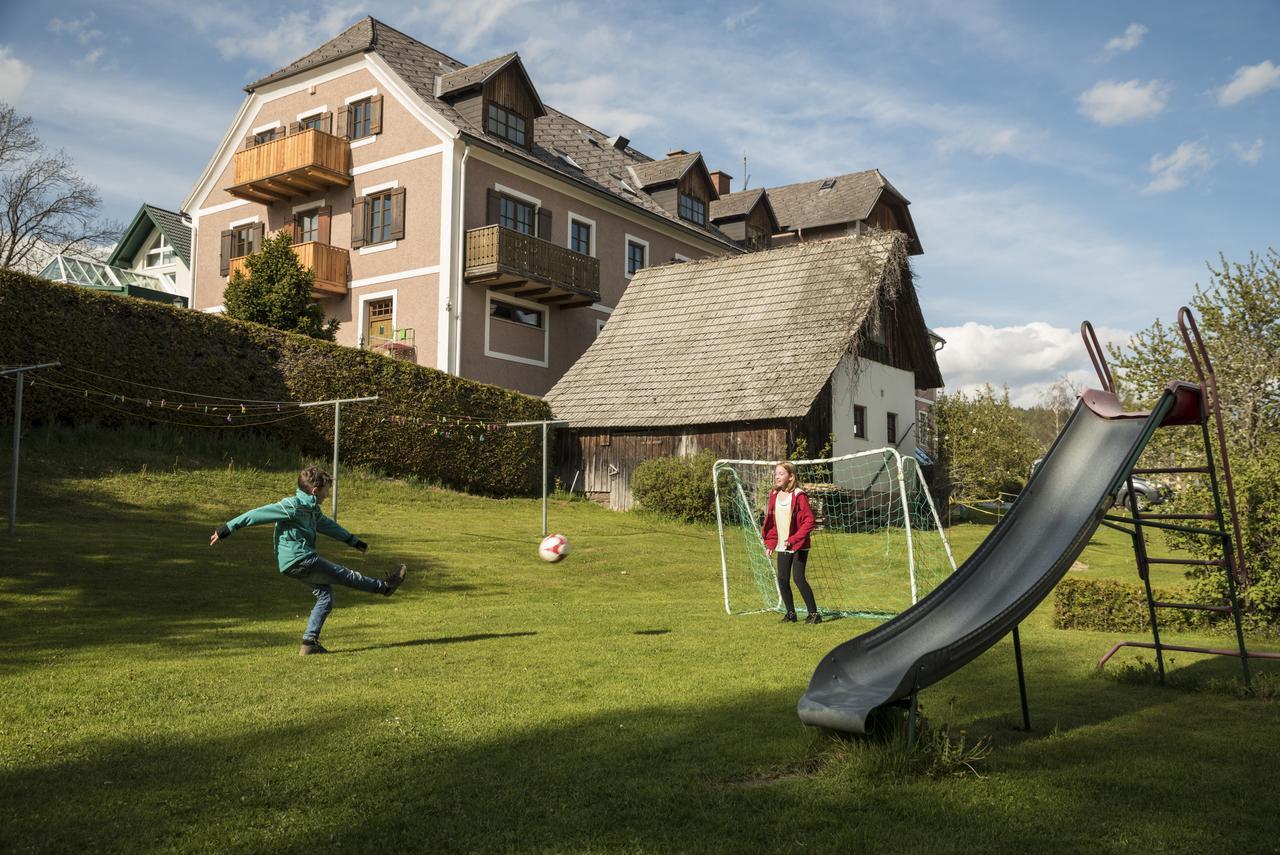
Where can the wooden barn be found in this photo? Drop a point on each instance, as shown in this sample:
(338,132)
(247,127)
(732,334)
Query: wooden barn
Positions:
(744,356)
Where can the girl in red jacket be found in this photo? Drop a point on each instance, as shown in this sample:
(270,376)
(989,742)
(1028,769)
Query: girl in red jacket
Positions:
(787,523)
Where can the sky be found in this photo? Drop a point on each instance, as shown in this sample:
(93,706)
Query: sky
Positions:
(1063,161)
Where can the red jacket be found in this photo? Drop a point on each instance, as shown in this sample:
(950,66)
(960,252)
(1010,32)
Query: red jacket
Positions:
(801,521)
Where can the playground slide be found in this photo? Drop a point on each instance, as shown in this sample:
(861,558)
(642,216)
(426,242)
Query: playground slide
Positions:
(1006,577)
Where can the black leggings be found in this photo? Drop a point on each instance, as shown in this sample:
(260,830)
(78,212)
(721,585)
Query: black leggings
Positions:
(787,563)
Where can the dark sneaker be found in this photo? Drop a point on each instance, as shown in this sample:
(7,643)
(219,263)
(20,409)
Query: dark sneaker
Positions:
(395,580)
(813,617)
(309,648)
(789,617)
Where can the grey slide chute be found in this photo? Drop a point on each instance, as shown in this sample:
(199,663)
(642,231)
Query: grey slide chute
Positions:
(1007,576)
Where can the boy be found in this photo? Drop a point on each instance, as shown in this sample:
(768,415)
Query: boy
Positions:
(297,520)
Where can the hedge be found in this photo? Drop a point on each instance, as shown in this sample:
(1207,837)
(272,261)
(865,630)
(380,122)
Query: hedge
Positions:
(1113,606)
(160,346)
(677,487)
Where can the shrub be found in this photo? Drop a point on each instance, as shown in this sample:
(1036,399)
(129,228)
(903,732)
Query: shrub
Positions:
(677,487)
(276,292)
(1109,605)
(162,346)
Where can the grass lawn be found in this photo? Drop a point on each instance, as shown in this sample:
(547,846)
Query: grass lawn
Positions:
(152,699)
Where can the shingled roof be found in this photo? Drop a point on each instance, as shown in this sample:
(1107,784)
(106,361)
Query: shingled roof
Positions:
(666,171)
(175,229)
(851,197)
(474,75)
(742,338)
(599,166)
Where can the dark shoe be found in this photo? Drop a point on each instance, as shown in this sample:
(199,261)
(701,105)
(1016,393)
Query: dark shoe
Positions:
(813,617)
(309,648)
(395,580)
(789,617)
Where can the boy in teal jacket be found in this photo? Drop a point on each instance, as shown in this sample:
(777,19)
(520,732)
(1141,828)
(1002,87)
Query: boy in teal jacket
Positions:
(297,519)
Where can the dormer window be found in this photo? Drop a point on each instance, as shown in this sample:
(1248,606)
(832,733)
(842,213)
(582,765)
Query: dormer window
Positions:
(161,253)
(506,123)
(693,209)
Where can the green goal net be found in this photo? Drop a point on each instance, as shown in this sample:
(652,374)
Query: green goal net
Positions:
(877,546)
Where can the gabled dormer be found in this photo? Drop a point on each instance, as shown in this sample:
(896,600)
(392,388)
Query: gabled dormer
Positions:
(496,96)
(746,217)
(680,184)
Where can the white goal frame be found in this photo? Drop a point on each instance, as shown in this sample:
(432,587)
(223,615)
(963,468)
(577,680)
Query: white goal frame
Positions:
(902,497)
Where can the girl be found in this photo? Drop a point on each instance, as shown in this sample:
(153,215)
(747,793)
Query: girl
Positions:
(787,523)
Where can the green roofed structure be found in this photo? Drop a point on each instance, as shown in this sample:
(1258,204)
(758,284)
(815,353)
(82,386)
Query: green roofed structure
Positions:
(157,244)
(104,277)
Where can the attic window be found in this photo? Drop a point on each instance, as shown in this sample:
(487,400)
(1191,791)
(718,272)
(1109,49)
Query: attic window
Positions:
(693,209)
(508,124)
(827,185)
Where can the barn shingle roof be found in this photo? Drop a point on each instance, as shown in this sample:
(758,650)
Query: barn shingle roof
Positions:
(742,338)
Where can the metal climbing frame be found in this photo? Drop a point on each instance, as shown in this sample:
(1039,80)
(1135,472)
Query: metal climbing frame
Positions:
(1232,560)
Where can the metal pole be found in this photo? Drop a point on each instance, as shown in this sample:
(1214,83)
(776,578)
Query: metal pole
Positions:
(17,446)
(544,479)
(1144,571)
(337,423)
(1022,681)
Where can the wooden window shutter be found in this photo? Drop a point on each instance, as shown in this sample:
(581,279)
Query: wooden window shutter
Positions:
(326,122)
(295,128)
(323,217)
(248,142)
(259,231)
(544,223)
(375,114)
(493,200)
(341,128)
(357,223)
(224,258)
(297,229)
(397,214)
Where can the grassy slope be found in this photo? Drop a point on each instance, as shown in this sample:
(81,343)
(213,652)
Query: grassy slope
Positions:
(151,697)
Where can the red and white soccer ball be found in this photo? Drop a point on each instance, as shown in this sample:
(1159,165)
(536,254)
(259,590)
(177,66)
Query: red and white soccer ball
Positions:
(553,547)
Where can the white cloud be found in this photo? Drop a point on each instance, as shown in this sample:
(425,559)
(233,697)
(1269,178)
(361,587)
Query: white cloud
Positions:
(1250,80)
(1027,358)
(734,22)
(1112,103)
(1131,38)
(80,28)
(1172,171)
(292,35)
(459,26)
(1250,154)
(14,75)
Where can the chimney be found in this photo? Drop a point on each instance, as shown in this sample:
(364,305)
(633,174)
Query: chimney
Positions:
(721,180)
(676,152)
(619,142)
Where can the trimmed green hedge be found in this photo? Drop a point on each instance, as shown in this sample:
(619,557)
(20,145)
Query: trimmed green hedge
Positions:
(677,487)
(1113,606)
(163,346)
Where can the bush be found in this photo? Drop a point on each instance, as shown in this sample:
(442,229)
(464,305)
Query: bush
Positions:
(156,345)
(677,487)
(1109,605)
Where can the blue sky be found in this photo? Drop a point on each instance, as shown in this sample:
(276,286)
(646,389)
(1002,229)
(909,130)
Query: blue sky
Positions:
(1064,161)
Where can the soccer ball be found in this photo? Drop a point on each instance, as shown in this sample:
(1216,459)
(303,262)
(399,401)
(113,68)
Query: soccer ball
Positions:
(553,547)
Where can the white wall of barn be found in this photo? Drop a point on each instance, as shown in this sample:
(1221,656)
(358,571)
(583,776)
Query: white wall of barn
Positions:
(881,389)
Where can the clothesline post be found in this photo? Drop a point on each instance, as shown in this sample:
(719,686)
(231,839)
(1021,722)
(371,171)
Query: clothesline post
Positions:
(337,425)
(21,373)
(544,425)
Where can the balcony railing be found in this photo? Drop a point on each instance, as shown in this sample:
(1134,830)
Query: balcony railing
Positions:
(330,263)
(296,165)
(528,267)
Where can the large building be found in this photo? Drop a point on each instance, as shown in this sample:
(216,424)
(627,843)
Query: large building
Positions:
(449,214)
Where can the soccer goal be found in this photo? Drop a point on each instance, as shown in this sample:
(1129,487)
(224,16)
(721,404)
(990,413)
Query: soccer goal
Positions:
(877,547)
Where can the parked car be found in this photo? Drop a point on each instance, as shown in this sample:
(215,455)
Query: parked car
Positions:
(1148,492)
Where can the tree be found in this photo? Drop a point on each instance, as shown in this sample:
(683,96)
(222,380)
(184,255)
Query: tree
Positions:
(44,203)
(1239,315)
(984,443)
(277,291)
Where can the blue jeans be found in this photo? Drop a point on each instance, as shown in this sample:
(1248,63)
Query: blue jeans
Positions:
(321,574)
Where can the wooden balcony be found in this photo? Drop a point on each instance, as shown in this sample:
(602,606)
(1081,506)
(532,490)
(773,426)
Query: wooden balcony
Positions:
(292,166)
(331,264)
(506,260)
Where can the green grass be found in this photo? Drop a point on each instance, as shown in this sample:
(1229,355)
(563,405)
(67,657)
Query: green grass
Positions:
(151,698)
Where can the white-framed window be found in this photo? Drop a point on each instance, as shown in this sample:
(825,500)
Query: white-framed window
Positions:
(582,234)
(523,318)
(372,309)
(600,322)
(637,256)
(160,254)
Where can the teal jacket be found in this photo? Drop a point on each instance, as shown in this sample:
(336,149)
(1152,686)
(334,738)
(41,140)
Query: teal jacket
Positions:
(298,518)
